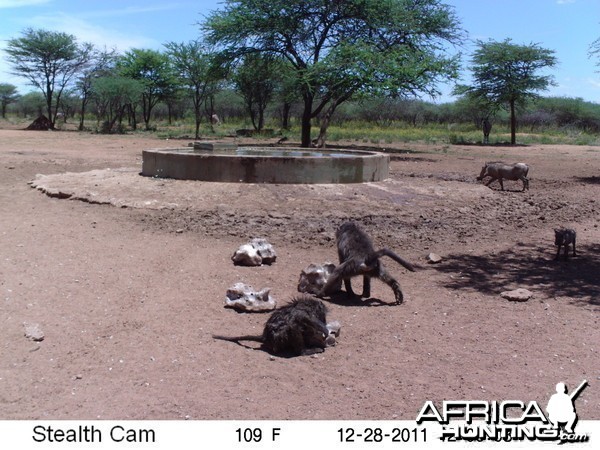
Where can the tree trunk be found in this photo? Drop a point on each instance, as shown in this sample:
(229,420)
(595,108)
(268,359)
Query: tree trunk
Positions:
(306,118)
(253,118)
(513,123)
(197,135)
(320,141)
(170,113)
(146,110)
(325,124)
(57,97)
(82,114)
(261,120)
(285,116)
(209,108)
(197,109)
(132,117)
(48,94)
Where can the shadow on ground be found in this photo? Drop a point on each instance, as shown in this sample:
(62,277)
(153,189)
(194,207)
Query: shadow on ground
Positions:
(530,267)
(341,298)
(588,180)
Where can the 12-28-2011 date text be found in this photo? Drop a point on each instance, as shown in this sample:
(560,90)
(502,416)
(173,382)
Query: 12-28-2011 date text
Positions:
(412,435)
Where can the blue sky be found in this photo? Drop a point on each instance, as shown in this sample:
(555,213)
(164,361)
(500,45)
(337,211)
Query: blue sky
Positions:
(566,26)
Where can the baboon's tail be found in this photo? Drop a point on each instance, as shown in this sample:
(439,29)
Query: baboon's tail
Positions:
(237,339)
(391,254)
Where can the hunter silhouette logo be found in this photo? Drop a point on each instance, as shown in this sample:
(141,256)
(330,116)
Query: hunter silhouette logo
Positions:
(561,407)
(509,420)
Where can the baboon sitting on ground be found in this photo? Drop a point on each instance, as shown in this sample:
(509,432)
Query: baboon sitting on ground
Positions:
(299,328)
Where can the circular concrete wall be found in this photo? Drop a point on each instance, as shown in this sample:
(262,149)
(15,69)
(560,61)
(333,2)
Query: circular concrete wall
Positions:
(227,163)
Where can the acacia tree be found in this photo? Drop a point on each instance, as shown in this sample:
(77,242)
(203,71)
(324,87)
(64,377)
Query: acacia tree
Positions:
(338,49)
(286,94)
(507,75)
(476,109)
(8,95)
(346,68)
(256,80)
(153,70)
(114,96)
(32,104)
(195,67)
(49,60)
(102,64)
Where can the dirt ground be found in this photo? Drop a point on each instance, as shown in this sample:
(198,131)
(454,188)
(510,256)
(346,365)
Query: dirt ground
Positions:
(126,276)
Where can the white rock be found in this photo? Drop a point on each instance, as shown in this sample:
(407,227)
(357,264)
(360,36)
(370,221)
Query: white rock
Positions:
(243,297)
(255,253)
(246,255)
(33,332)
(313,278)
(433,258)
(265,250)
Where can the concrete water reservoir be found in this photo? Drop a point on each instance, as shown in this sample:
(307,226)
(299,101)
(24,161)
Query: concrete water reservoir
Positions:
(232,164)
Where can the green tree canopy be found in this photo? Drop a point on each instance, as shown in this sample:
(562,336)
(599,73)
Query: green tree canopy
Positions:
(113,96)
(340,48)
(154,71)
(506,75)
(8,95)
(102,63)
(49,60)
(32,104)
(195,67)
(256,80)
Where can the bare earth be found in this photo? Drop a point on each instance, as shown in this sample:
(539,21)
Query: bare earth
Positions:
(126,276)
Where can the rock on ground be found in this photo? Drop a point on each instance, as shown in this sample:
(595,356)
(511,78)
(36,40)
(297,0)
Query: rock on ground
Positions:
(255,253)
(33,332)
(518,295)
(243,297)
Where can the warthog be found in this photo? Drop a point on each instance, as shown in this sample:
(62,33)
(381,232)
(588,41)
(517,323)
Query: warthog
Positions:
(563,237)
(501,171)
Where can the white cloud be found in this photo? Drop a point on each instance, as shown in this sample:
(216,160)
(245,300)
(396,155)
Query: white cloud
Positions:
(565,2)
(85,31)
(86,26)
(595,83)
(128,10)
(19,3)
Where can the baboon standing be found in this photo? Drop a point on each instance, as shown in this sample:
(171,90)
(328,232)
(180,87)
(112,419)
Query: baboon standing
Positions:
(487,127)
(358,257)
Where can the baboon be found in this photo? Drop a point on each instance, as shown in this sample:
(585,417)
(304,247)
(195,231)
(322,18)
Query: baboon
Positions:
(564,237)
(299,328)
(358,257)
(486,127)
